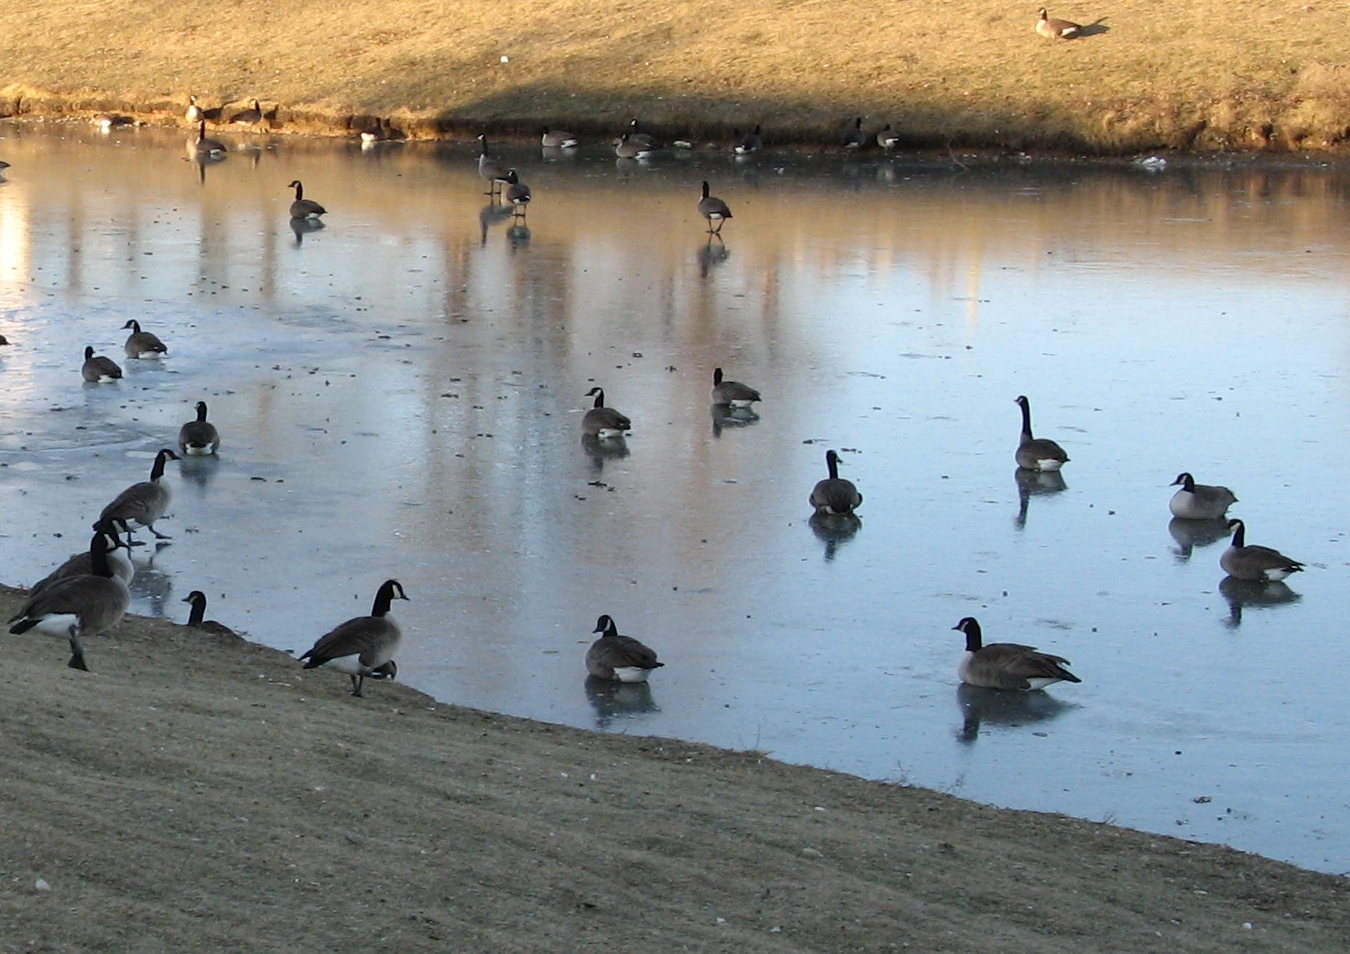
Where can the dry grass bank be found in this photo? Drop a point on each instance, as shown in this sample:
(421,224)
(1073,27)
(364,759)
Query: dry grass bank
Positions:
(1203,75)
(190,794)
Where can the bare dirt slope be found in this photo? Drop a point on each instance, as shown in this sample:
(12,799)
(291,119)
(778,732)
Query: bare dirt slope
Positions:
(1203,75)
(191,794)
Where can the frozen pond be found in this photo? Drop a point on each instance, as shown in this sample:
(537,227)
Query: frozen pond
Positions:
(400,395)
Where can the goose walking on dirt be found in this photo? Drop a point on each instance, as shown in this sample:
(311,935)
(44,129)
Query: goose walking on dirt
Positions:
(617,658)
(1007,665)
(79,605)
(364,645)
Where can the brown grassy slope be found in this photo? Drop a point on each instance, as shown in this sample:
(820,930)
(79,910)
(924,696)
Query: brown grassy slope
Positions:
(1202,74)
(195,795)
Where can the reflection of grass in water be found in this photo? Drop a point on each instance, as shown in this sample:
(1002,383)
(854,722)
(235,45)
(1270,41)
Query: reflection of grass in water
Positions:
(1145,76)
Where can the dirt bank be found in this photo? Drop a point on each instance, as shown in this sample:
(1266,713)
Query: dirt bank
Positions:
(194,794)
(1207,76)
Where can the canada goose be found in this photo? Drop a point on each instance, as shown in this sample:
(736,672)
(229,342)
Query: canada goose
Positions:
(1199,501)
(640,138)
(81,564)
(92,603)
(619,658)
(248,117)
(834,495)
(142,344)
(198,438)
(888,138)
(603,422)
(373,133)
(4,341)
(1007,665)
(362,645)
(750,142)
(490,169)
(714,210)
(303,208)
(626,147)
(109,121)
(198,600)
(209,148)
(1056,29)
(558,139)
(98,368)
(194,112)
(732,393)
(144,503)
(855,138)
(1253,562)
(1036,453)
(517,192)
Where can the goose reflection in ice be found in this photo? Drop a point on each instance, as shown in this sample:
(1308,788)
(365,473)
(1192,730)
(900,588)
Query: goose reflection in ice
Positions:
(617,700)
(1254,593)
(492,214)
(301,227)
(711,255)
(724,415)
(834,530)
(1003,707)
(198,469)
(149,584)
(1190,534)
(518,236)
(599,451)
(1035,483)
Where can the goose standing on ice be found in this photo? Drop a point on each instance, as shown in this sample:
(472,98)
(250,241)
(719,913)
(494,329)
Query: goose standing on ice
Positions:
(142,344)
(1199,501)
(619,658)
(1246,561)
(834,495)
(1007,665)
(1037,453)
(145,502)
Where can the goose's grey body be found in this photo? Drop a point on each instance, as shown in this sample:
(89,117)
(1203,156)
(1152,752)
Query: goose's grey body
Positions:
(1251,562)
(517,193)
(204,147)
(626,147)
(603,422)
(303,208)
(1199,501)
(198,601)
(1054,29)
(732,393)
(642,139)
(619,658)
(199,438)
(490,169)
(1037,453)
(750,142)
(834,495)
(248,117)
(78,605)
(194,112)
(142,344)
(364,645)
(888,138)
(82,563)
(855,138)
(98,368)
(143,503)
(1007,665)
(558,139)
(714,210)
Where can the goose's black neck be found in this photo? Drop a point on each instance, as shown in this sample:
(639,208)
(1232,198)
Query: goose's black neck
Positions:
(389,591)
(198,601)
(1025,405)
(1239,533)
(974,638)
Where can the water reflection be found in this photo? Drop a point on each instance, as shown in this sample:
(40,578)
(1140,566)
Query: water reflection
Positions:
(1190,534)
(711,254)
(494,213)
(617,701)
(1035,483)
(1005,709)
(151,586)
(834,530)
(302,227)
(199,470)
(724,415)
(1254,593)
